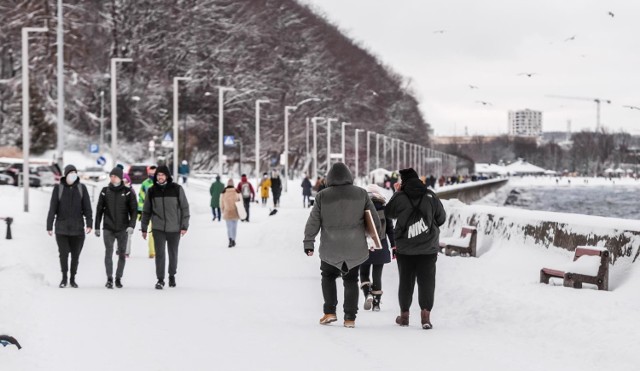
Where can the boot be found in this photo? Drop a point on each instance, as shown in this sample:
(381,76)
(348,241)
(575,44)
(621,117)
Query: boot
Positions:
(72,282)
(160,285)
(118,283)
(233,243)
(425,318)
(376,300)
(403,319)
(328,318)
(172,281)
(109,283)
(366,291)
(63,283)
(230,243)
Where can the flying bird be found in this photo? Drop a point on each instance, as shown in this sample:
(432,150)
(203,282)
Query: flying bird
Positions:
(439,31)
(528,74)
(570,38)
(611,14)
(484,103)
(473,87)
(632,107)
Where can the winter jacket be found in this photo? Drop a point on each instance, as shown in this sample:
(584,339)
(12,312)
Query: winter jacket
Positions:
(276,185)
(228,200)
(71,212)
(144,188)
(306,187)
(215,191)
(399,208)
(183,170)
(167,207)
(245,183)
(338,212)
(265,184)
(119,207)
(382,256)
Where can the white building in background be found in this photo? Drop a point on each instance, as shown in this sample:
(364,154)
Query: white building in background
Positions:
(525,123)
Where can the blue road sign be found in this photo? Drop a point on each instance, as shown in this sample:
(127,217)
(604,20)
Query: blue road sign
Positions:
(228,140)
(94,148)
(168,137)
(101,161)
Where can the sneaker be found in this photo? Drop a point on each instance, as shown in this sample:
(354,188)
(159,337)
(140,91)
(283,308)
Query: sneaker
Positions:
(349,323)
(109,283)
(172,281)
(425,318)
(376,300)
(63,283)
(368,298)
(403,319)
(328,318)
(368,302)
(160,285)
(118,283)
(73,283)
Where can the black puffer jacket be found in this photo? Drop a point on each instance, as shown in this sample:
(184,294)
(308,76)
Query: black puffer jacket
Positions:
(399,208)
(119,207)
(71,211)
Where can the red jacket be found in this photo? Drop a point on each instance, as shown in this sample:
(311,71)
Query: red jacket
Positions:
(244,181)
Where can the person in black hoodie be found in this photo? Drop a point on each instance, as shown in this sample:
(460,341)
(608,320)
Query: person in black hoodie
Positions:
(118,205)
(276,188)
(167,208)
(419,214)
(70,207)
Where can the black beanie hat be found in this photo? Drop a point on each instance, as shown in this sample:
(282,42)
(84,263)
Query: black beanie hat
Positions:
(406,174)
(117,171)
(68,169)
(164,169)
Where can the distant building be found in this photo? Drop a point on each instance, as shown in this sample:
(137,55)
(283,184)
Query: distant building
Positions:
(525,123)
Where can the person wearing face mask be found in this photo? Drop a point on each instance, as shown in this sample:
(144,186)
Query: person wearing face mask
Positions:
(265,185)
(70,209)
(167,208)
(118,205)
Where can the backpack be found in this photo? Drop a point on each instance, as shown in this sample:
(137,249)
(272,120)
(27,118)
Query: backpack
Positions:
(246,190)
(61,189)
(417,228)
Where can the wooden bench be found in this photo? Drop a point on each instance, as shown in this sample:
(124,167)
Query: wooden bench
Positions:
(577,274)
(465,244)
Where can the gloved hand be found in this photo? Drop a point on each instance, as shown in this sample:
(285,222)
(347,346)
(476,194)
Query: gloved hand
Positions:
(129,231)
(308,252)
(393,252)
(97,233)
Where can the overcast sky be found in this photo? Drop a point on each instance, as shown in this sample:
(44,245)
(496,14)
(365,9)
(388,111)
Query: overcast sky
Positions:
(487,43)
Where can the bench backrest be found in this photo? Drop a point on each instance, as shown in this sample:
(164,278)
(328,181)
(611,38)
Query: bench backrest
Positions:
(581,251)
(466,230)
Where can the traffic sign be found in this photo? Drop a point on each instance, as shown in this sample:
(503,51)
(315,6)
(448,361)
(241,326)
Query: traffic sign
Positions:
(228,140)
(94,148)
(101,161)
(167,141)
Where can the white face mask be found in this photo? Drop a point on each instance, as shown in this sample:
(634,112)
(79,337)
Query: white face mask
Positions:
(116,184)
(71,178)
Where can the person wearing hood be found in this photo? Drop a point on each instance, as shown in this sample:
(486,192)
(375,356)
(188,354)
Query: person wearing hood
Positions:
(248,194)
(70,208)
(276,188)
(419,214)
(215,190)
(306,191)
(183,171)
(166,207)
(228,200)
(338,212)
(117,203)
(372,289)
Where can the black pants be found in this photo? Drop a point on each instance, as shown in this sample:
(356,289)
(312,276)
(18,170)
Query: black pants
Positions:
(305,201)
(330,292)
(109,239)
(276,198)
(69,245)
(216,213)
(422,268)
(365,269)
(172,240)
(247,202)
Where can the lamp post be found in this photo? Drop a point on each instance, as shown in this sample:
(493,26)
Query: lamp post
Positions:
(221,90)
(314,121)
(287,109)
(60,77)
(369,151)
(176,80)
(344,154)
(114,108)
(101,121)
(258,102)
(26,139)
(378,150)
(357,149)
(329,143)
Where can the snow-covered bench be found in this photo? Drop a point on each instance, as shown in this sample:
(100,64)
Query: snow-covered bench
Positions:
(463,244)
(8,220)
(590,265)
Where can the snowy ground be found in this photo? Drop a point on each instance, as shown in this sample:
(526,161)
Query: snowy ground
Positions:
(256,306)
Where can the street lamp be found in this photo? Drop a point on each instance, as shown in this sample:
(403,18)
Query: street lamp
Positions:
(26,139)
(378,150)
(287,109)
(176,80)
(102,121)
(344,159)
(329,143)
(258,102)
(357,148)
(314,120)
(60,78)
(114,109)
(369,151)
(221,90)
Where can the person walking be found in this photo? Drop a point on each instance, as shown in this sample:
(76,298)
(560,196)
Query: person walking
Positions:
(228,200)
(144,188)
(70,209)
(372,290)
(265,185)
(419,214)
(248,194)
(338,213)
(127,183)
(183,171)
(118,205)
(215,190)
(306,191)
(276,188)
(167,208)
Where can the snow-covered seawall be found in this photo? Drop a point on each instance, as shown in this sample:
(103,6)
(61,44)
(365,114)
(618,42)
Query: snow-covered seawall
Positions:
(470,192)
(504,225)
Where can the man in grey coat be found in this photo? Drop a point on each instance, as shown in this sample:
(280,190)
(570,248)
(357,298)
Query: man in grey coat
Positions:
(338,212)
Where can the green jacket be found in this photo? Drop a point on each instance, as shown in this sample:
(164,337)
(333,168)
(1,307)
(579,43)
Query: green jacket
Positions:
(215,191)
(144,188)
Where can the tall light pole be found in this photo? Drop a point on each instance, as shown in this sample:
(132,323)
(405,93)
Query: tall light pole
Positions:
(393,155)
(357,148)
(329,143)
(314,120)
(287,109)
(176,80)
(221,90)
(369,151)
(398,154)
(404,156)
(60,62)
(344,154)
(114,108)
(258,102)
(102,121)
(26,139)
(378,150)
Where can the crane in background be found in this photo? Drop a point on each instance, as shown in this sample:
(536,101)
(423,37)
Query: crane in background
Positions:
(597,100)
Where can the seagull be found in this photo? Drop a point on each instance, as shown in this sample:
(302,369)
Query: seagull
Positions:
(439,31)
(484,103)
(473,87)
(632,107)
(570,38)
(611,14)
(528,74)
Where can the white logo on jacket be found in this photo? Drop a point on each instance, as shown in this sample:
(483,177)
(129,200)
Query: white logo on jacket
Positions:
(417,228)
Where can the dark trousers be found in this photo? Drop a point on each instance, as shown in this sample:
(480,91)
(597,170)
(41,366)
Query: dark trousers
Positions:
(365,270)
(264,200)
(422,268)
(247,202)
(109,239)
(276,198)
(172,240)
(69,245)
(305,201)
(216,213)
(330,293)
